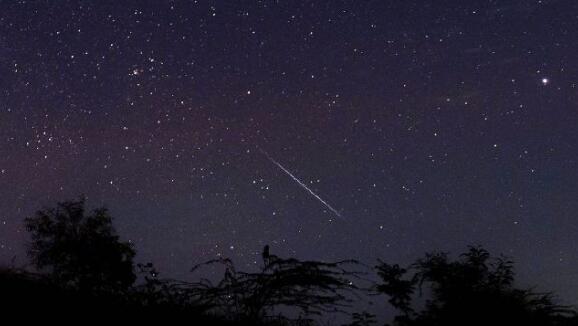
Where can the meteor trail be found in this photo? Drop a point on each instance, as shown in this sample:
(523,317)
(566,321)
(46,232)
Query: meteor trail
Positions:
(299,182)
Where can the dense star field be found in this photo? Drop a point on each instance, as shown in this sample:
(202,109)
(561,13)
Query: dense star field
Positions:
(326,129)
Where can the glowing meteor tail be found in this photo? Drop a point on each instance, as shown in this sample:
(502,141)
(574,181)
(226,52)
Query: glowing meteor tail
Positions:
(304,186)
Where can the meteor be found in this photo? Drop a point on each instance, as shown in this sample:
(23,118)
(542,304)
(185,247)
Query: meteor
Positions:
(304,186)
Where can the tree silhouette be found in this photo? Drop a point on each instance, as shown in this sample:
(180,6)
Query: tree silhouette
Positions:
(79,250)
(310,287)
(474,290)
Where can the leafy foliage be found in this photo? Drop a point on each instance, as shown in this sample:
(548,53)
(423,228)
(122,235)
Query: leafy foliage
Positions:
(474,290)
(90,269)
(79,250)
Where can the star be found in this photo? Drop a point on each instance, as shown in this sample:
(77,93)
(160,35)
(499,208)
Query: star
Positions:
(545,81)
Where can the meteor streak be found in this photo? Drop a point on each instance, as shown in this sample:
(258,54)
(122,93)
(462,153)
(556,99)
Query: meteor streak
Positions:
(299,182)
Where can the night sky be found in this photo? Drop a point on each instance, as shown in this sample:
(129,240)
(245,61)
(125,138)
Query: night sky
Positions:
(415,125)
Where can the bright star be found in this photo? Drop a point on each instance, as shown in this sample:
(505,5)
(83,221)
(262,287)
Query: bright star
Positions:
(545,81)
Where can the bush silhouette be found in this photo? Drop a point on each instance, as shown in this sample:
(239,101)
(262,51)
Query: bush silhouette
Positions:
(79,250)
(310,287)
(87,269)
(474,290)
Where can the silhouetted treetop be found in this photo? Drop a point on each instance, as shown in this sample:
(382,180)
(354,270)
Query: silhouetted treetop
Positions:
(86,267)
(80,250)
(476,289)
